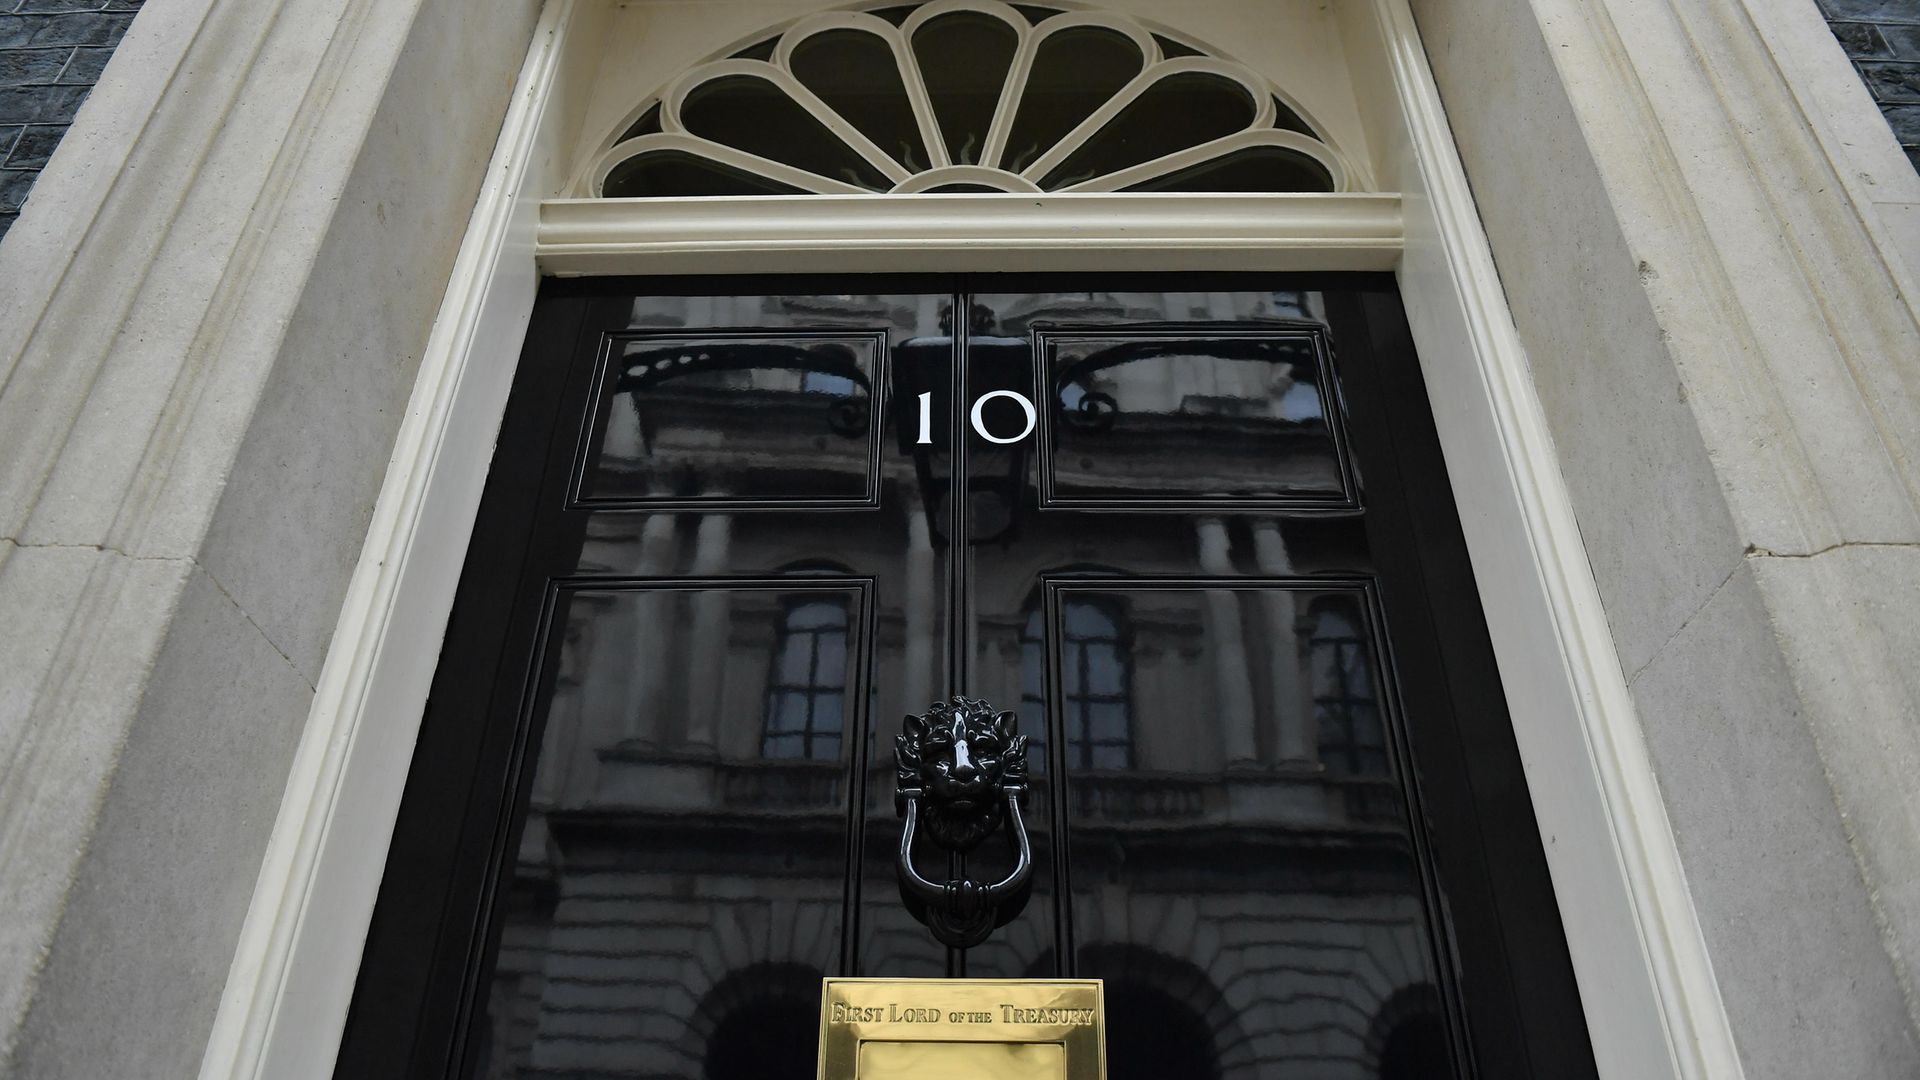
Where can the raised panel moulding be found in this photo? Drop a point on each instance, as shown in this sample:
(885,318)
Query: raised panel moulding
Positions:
(745,234)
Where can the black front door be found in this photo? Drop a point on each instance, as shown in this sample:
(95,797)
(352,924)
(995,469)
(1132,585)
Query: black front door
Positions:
(1195,531)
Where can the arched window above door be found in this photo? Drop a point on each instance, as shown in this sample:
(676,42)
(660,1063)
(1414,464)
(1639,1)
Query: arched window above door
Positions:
(967,96)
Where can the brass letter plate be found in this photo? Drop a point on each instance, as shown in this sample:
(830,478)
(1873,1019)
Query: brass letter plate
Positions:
(962,1029)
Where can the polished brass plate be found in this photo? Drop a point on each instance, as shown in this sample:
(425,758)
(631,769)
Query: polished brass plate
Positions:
(962,1029)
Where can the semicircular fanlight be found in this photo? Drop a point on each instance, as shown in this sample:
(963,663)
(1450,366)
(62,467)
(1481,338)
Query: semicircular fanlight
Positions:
(967,95)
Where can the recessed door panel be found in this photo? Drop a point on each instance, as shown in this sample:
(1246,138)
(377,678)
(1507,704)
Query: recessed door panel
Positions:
(1189,417)
(781,419)
(610,891)
(1236,813)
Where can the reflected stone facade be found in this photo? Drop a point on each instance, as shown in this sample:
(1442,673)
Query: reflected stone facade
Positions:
(1241,865)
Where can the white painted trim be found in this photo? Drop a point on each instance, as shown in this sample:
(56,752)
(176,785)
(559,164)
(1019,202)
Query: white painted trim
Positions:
(1652,1004)
(998,179)
(293,972)
(794,233)
(1219,148)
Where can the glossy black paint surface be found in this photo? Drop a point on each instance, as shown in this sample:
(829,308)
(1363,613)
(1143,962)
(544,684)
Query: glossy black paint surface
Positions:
(1220,580)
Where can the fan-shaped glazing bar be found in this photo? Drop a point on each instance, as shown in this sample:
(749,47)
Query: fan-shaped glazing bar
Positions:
(918,23)
(1260,99)
(968,176)
(1021,74)
(673,104)
(909,70)
(1220,148)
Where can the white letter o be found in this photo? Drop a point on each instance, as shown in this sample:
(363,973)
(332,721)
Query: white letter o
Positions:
(979,424)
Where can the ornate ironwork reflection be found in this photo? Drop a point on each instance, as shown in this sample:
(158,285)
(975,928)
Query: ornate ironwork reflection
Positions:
(847,406)
(963,772)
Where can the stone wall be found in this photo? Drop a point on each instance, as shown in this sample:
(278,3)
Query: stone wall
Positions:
(51,53)
(1883,39)
(237,256)
(1688,233)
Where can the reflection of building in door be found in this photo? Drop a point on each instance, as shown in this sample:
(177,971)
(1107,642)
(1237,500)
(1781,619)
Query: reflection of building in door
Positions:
(668,899)
(1242,876)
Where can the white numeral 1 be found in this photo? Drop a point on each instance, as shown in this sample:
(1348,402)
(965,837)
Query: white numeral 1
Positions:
(926,419)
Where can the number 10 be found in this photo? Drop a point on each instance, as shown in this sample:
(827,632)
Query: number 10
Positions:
(979,422)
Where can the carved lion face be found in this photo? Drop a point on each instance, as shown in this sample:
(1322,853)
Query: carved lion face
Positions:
(961,759)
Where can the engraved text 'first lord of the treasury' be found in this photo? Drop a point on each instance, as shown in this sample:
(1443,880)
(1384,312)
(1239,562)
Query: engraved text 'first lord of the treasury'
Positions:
(896,1013)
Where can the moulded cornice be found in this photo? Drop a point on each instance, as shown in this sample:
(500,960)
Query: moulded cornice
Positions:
(974,232)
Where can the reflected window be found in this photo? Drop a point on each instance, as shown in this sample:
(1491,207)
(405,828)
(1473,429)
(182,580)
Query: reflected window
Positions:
(1096,683)
(807,683)
(821,382)
(1345,706)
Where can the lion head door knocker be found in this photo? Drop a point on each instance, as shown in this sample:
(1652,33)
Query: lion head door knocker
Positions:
(963,771)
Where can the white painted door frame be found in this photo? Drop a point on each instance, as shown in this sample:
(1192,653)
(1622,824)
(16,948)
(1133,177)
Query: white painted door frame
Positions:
(1651,1002)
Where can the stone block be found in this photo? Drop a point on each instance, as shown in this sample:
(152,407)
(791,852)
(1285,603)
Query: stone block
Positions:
(1892,81)
(1804,972)
(1651,508)
(142,941)
(89,28)
(296,507)
(57,7)
(1903,42)
(172,862)
(13,188)
(86,65)
(21,104)
(34,146)
(84,628)
(1880,11)
(1862,40)
(1844,620)
(25,67)
(40,104)
(1905,121)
